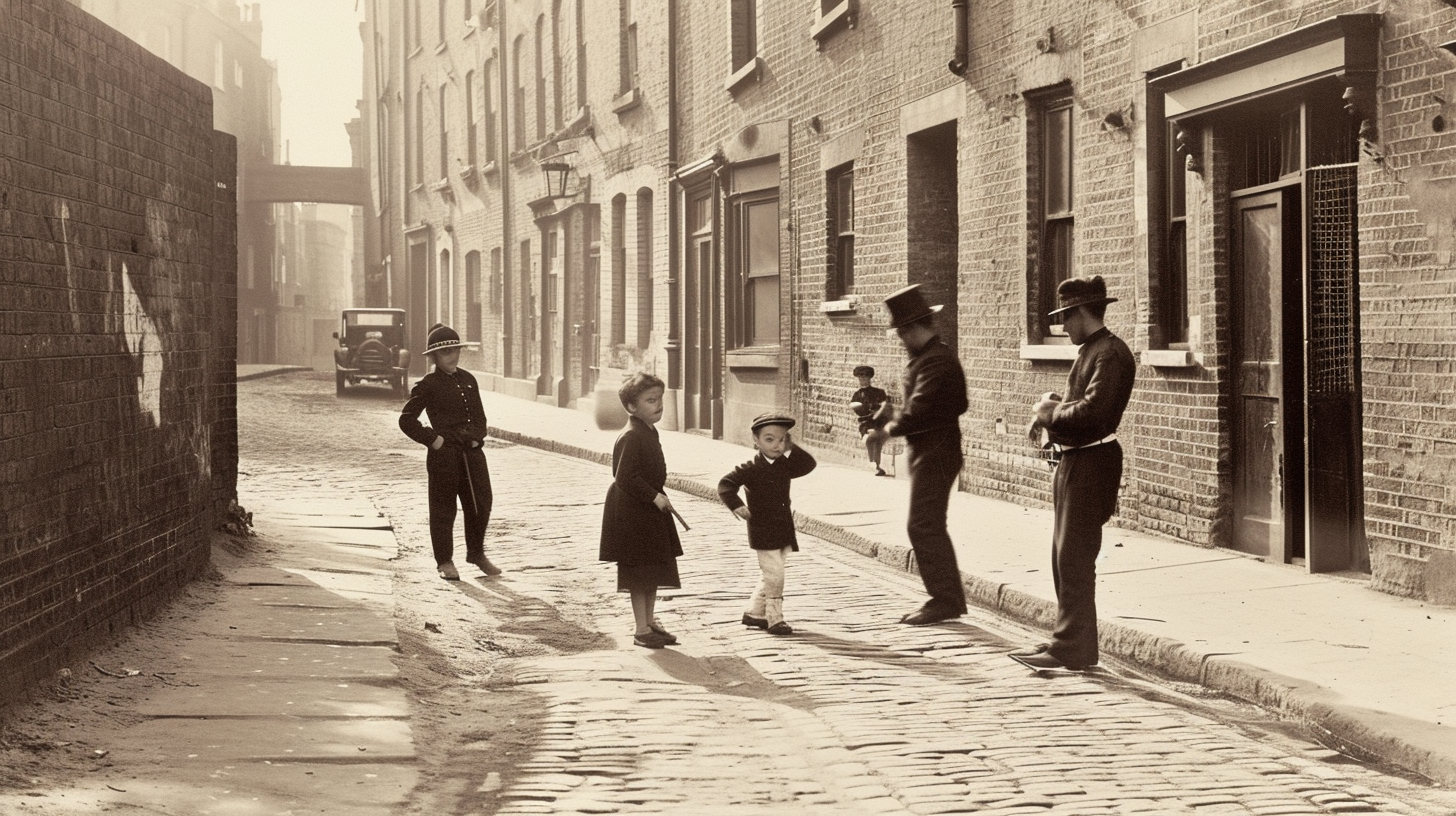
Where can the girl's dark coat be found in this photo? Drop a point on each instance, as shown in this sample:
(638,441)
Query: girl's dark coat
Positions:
(634,531)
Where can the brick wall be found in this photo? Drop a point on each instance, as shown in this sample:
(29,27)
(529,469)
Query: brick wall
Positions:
(117,410)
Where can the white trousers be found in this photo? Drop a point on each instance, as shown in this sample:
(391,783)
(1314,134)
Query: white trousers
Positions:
(768,599)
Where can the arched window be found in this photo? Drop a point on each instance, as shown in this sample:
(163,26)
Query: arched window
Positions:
(419,136)
(471,131)
(492,119)
(517,113)
(540,78)
(444,132)
(619,270)
(472,296)
(558,29)
(644,268)
(580,54)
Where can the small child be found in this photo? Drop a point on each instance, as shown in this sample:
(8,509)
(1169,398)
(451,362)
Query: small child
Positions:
(871,405)
(455,463)
(769,515)
(637,526)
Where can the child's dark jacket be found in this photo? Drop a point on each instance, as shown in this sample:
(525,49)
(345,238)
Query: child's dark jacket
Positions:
(771,525)
(870,399)
(452,403)
(634,531)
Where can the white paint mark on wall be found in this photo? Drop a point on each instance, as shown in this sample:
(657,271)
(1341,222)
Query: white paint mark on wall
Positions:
(70,268)
(143,339)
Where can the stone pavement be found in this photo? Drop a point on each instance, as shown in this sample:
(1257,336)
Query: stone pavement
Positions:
(1368,671)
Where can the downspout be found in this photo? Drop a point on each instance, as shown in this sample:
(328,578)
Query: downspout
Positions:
(960,60)
(674,229)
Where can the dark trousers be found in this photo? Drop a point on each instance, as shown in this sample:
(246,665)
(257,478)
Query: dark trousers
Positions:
(935,464)
(1084,494)
(458,473)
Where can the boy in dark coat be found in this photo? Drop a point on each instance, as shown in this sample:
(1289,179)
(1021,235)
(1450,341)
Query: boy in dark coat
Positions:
(637,528)
(455,463)
(869,404)
(768,513)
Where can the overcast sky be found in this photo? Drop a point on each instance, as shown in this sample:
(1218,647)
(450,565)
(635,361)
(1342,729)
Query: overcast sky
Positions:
(316,46)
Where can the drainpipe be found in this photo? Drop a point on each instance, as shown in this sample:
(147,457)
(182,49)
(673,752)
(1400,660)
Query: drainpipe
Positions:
(959,61)
(674,229)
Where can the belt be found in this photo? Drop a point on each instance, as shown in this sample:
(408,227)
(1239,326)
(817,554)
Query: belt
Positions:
(1112,437)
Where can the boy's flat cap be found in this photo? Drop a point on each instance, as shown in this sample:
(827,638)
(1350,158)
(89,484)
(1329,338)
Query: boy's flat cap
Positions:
(772,419)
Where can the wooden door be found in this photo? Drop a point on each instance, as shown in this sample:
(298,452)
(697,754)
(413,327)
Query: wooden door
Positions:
(1266,250)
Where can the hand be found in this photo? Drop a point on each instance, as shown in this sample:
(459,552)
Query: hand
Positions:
(661,502)
(438,443)
(742,512)
(1045,406)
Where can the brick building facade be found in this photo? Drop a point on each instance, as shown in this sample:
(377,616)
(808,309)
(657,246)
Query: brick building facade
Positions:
(118,435)
(1264,186)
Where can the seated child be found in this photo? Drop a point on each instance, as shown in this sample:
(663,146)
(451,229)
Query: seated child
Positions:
(871,405)
(768,513)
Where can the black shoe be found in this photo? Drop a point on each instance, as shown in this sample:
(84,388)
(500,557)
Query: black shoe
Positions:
(447,571)
(651,640)
(1044,662)
(880,472)
(485,565)
(666,636)
(928,614)
(1040,648)
(781,628)
(757,623)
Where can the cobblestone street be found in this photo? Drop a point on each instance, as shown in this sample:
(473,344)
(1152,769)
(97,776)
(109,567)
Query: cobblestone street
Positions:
(854,713)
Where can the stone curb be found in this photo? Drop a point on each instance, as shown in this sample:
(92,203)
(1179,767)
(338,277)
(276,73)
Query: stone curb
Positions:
(1364,734)
(272,372)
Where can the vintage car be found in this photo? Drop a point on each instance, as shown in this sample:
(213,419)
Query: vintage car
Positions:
(371,349)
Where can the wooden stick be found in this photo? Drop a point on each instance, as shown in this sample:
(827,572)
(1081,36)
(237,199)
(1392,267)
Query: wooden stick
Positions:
(679,518)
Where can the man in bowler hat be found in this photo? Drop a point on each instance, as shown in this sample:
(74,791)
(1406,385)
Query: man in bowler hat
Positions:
(929,419)
(1083,432)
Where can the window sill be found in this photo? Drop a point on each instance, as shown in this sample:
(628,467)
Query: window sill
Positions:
(1048,352)
(627,101)
(1168,358)
(752,69)
(468,172)
(489,168)
(756,357)
(846,306)
(841,16)
(440,186)
(440,49)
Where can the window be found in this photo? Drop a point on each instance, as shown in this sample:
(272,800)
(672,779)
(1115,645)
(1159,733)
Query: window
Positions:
(444,132)
(743,27)
(518,113)
(487,88)
(557,29)
(237,74)
(540,78)
(440,22)
(840,186)
(644,268)
(469,8)
(420,136)
(385,167)
(619,270)
(415,24)
(472,132)
(549,254)
(497,281)
(757,245)
(627,48)
(1173,300)
(472,295)
(580,54)
(219,79)
(1052,193)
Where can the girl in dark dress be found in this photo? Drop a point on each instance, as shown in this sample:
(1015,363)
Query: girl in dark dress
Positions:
(637,528)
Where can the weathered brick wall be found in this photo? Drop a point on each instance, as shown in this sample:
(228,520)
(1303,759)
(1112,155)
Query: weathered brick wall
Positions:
(117,411)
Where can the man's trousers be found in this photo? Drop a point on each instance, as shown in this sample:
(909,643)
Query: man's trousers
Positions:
(1084,494)
(458,474)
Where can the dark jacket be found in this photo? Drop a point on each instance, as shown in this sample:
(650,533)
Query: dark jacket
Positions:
(870,399)
(634,531)
(1098,389)
(935,398)
(767,482)
(452,402)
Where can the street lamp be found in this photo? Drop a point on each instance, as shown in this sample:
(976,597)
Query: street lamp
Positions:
(556,170)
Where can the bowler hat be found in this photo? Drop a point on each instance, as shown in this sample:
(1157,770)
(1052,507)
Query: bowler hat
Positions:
(1075,292)
(442,337)
(772,418)
(864,371)
(908,305)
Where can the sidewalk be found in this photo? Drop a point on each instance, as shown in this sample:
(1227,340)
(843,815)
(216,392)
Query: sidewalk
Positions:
(254,371)
(1368,673)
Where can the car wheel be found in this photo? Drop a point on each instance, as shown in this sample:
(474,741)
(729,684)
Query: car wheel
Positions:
(338,383)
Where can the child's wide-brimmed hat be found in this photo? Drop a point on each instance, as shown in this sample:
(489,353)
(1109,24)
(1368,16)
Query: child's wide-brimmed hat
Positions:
(908,305)
(1075,292)
(764,420)
(864,371)
(442,337)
